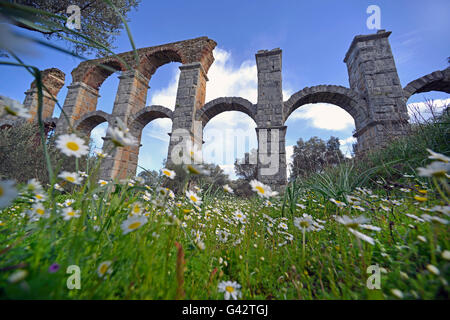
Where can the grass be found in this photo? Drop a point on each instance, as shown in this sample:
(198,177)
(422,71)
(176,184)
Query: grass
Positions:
(266,260)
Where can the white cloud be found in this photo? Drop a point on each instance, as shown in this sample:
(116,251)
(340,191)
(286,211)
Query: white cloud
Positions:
(159,129)
(324,116)
(97,133)
(347,146)
(421,110)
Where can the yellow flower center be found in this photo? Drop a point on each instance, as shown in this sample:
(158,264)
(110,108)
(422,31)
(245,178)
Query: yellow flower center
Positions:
(420,199)
(136,209)
(40,211)
(38,196)
(260,189)
(72,146)
(167,173)
(103,268)
(193,198)
(230,289)
(70,179)
(71,213)
(10,111)
(193,169)
(134,225)
(304,224)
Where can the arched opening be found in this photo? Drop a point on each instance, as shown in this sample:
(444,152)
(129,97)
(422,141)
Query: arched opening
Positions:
(320,125)
(151,126)
(107,92)
(228,136)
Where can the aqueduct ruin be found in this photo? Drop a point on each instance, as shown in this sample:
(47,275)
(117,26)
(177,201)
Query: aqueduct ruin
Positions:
(375,98)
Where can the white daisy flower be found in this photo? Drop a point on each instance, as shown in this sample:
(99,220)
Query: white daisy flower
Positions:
(102,182)
(261,189)
(120,135)
(227,188)
(18,276)
(69,202)
(58,187)
(283,225)
(438,156)
(71,177)
(168,173)
(231,289)
(133,223)
(8,193)
(222,235)
(434,169)
(340,204)
(239,216)
(433,269)
(69,213)
(104,269)
(101,155)
(38,211)
(71,145)
(196,169)
(352,222)
(304,223)
(446,254)
(15,109)
(397,293)
(193,198)
(40,197)
(414,217)
(34,186)
(136,209)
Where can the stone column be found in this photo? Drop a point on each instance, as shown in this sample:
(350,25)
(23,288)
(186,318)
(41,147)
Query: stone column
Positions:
(81,99)
(130,98)
(53,79)
(271,167)
(190,97)
(373,74)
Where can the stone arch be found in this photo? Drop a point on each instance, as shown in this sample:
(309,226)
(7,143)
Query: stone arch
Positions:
(435,81)
(343,97)
(219,105)
(148,114)
(93,74)
(151,58)
(90,120)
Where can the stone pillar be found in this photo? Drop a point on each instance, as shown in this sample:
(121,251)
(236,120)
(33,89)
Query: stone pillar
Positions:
(81,99)
(130,98)
(373,74)
(53,79)
(190,97)
(271,167)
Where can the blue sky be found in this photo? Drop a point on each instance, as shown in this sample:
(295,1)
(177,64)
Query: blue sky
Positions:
(314,37)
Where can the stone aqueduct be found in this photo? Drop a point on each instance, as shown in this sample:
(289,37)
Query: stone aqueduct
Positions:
(375,99)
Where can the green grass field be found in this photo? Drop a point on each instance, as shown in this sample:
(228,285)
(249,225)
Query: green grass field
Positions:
(134,242)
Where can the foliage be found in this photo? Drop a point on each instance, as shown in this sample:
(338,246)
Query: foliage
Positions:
(98,21)
(246,168)
(314,156)
(265,253)
(20,155)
